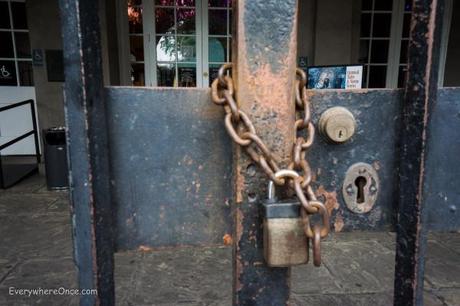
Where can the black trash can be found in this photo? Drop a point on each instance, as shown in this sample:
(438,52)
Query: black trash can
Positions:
(56,158)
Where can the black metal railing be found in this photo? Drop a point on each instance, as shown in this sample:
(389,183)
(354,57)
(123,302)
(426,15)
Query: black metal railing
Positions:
(22,170)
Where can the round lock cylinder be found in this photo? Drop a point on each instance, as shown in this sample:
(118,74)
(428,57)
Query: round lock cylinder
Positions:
(337,124)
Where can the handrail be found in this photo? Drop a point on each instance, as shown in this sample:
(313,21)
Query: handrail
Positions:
(33,132)
(4,108)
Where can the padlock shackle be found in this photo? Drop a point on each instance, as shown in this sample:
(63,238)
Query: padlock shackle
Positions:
(271,190)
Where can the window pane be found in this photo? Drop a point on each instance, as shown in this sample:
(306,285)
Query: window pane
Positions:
(406,25)
(6,45)
(213,72)
(18,10)
(166,48)
(186,21)
(186,49)
(366,24)
(26,77)
(164,2)
(7,73)
(402,76)
(382,25)
(137,74)
(217,49)
(166,74)
(408,5)
(377,76)
(135,19)
(137,48)
(185,2)
(220,3)
(4,16)
(217,22)
(364,51)
(134,2)
(404,52)
(22,45)
(164,21)
(187,75)
(366,5)
(379,51)
(383,5)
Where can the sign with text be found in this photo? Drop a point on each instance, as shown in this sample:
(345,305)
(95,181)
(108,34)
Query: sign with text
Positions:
(335,77)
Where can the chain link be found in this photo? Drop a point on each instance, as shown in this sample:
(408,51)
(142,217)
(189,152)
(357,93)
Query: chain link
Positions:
(298,174)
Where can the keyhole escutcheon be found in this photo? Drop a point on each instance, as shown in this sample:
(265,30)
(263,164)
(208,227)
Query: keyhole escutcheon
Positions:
(360,183)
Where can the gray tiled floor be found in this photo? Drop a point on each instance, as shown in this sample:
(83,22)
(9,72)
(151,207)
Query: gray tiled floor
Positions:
(36,251)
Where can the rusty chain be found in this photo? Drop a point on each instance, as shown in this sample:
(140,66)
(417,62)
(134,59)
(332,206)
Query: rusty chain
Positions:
(240,128)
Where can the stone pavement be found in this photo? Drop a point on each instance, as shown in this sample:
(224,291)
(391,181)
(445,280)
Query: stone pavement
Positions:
(36,251)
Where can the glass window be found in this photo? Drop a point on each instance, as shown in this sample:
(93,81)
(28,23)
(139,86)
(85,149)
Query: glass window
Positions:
(137,74)
(164,21)
(26,77)
(185,21)
(16,66)
(137,48)
(187,75)
(135,20)
(6,47)
(377,76)
(18,10)
(8,73)
(4,16)
(22,45)
(383,5)
(166,74)
(381,25)
(217,22)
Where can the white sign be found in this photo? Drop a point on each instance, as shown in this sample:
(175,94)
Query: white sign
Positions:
(354,77)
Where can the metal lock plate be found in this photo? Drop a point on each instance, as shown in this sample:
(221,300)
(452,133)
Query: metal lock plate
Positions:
(285,243)
(360,188)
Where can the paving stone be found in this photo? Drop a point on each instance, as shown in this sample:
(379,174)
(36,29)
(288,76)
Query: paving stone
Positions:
(187,276)
(360,266)
(442,267)
(450,297)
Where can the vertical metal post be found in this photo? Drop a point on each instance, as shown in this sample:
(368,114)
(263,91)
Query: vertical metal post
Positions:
(419,98)
(264,61)
(88,151)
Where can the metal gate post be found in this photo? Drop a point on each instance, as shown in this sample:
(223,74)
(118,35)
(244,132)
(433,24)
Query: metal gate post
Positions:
(264,61)
(419,99)
(87,149)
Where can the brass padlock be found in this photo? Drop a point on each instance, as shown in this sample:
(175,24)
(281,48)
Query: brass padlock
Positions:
(285,243)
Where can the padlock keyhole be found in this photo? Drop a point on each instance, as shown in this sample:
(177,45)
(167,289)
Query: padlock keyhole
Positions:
(360,183)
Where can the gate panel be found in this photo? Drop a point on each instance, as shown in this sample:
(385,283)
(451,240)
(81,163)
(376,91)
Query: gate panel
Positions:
(377,114)
(171,167)
(442,192)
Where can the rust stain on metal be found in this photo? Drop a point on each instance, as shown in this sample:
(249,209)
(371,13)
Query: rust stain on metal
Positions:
(144,248)
(228,240)
(338,224)
(238,269)
(239,178)
(330,198)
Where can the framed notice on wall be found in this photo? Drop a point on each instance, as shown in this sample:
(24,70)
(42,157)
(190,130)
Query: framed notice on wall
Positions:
(335,77)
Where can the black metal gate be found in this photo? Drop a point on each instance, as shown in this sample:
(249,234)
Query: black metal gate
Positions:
(154,167)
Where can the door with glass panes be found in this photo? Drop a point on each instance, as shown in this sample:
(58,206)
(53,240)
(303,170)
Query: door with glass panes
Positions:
(178,43)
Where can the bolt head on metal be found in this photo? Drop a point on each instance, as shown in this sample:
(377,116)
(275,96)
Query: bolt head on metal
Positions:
(337,124)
